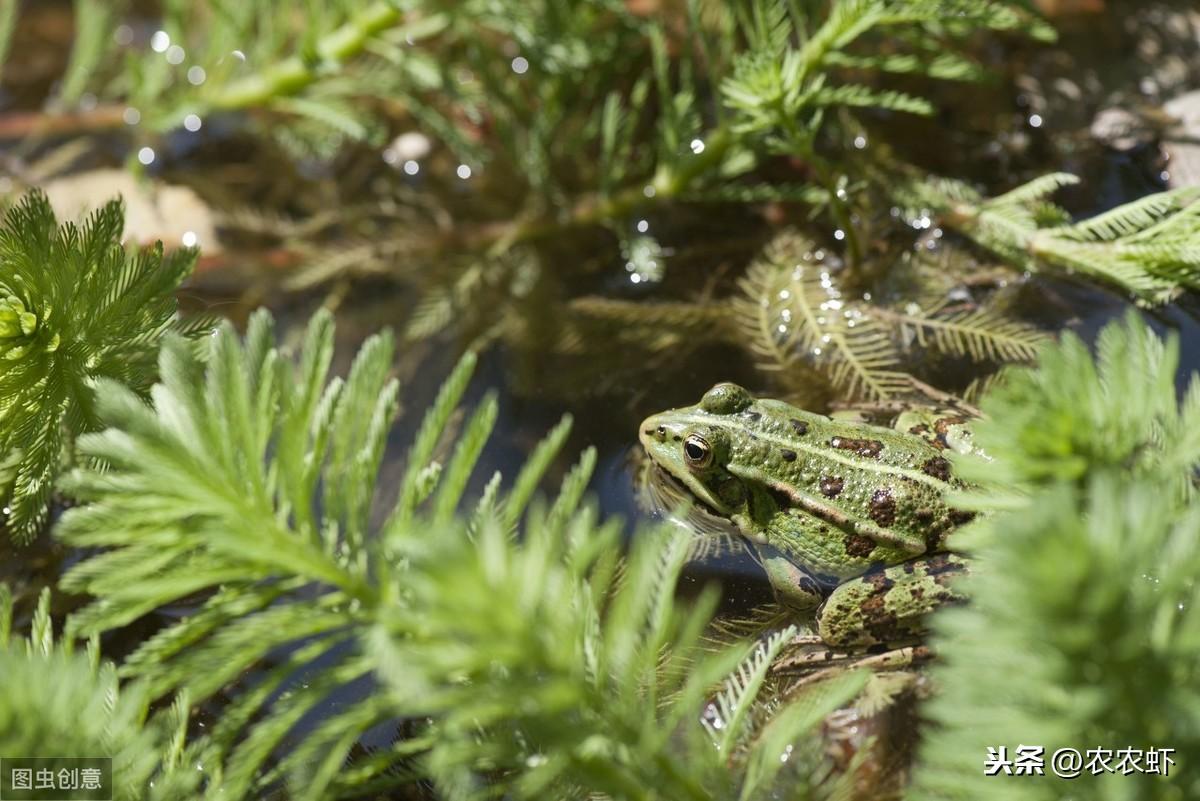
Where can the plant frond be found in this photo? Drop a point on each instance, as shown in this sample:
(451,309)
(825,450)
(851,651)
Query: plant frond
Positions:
(75,308)
(793,316)
(980,333)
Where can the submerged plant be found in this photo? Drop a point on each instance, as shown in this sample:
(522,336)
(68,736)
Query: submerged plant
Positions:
(797,317)
(75,307)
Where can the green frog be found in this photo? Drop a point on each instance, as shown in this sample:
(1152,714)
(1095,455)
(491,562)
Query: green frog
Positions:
(848,519)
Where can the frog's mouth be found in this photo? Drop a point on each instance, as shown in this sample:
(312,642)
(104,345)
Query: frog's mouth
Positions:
(666,497)
(668,493)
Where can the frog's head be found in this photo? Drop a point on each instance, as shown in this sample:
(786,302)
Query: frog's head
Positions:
(694,444)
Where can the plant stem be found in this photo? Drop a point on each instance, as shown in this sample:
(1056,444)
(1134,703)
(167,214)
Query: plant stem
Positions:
(296,73)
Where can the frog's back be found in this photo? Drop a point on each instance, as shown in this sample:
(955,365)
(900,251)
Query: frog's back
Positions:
(854,478)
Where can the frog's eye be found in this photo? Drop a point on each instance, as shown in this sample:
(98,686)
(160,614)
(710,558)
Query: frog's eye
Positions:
(697,451)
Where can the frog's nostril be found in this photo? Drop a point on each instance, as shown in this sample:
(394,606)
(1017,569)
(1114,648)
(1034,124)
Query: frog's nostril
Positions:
(661,431)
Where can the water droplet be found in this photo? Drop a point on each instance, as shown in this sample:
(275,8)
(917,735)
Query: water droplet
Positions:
(635,278)
(697,146)
(123,35)
(160,41)
(643,226)
(196,75)
(192,122)
(175,54)
(520,65)
(146,155)
(239,55)
(712,716)
(411,167)
(839,234)
(784,294)
(463,171)
(860,142)
(1035,120)
(188,239)
(649,191)
(131,116)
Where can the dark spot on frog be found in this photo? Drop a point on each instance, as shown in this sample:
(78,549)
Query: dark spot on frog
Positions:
(831,486)
(883,507)
(808,586)
(754,416)
(917,593)
(875,612)
(879,648)
(940,563)
(863,447)
(799,426)
(858,545)
(919,429)
(933,539)
(877,579)
(960,516)
(788,456)
(923,515)
(942,425)
(678,438)
(937,467)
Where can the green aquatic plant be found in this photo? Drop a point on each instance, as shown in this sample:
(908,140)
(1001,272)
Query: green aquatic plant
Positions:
(796,316)
(1087,591)
(60,703)
(523,651)
(75,307)
(1146,247)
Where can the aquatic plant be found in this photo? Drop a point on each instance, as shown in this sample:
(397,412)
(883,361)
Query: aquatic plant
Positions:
(1088,593)
(1146,247)
(76,307)
(797,315)
(71,705)
(517,645)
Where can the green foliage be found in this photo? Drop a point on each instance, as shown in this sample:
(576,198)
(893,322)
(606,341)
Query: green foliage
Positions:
(1083,629)
(541,660)
(302,66)
(780,88)
(1146,247)
(75,307)
(59,703)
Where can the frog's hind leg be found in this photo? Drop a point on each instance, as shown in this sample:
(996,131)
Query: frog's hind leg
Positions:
(887,606)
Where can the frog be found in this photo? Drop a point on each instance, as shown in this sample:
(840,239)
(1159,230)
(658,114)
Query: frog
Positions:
(849,519)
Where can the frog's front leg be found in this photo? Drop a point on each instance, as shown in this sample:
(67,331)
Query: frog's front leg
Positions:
(889,605)
(794,587)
